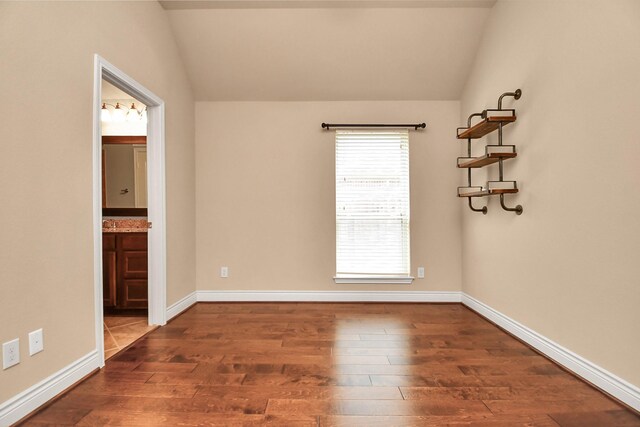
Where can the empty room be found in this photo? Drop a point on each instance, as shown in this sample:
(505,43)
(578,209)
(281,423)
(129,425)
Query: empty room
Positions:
(320,213)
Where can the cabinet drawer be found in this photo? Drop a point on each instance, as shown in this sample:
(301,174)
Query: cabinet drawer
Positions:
(132,241)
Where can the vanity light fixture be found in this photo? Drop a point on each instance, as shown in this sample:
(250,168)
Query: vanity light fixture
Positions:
(133,114)
(105,115)
(120,113)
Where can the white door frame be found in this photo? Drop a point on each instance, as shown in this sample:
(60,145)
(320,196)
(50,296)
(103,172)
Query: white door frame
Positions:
(156,195)
(137,183)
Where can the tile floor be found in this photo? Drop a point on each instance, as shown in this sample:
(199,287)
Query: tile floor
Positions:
(120,331)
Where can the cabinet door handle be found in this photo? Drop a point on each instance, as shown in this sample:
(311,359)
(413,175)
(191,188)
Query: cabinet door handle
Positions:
(149,224)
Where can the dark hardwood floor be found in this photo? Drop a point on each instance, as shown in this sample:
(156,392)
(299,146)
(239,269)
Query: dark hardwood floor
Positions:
(309,364)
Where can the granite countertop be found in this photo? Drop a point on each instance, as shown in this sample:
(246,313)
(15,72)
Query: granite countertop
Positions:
(125,226)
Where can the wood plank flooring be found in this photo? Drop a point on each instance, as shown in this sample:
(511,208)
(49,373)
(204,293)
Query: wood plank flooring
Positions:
(313,364)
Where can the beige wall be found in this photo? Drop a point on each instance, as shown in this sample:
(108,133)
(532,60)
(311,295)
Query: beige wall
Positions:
(266,194)
(46,279)
(568,267)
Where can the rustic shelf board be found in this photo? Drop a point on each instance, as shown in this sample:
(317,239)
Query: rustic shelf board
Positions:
(486,126)
(475,194)
(484,193)
(503,191)
(487,159)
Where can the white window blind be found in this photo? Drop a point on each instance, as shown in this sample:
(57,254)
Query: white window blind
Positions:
(372,203)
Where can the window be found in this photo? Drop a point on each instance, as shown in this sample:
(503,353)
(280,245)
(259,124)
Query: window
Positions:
(372,206)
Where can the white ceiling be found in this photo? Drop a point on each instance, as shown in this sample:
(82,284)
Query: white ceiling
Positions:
(297,50)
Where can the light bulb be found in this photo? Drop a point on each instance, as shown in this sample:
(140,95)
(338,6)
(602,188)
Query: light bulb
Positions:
(133,115)
(118,113)
(105,115)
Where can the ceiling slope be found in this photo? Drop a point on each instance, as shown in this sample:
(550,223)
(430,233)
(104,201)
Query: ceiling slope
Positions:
(287,4)
(314,54)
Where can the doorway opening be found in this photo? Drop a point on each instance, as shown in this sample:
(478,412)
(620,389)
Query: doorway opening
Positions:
(129,210)
(123,121)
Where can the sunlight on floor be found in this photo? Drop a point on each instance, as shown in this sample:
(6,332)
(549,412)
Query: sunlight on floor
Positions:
(361,358)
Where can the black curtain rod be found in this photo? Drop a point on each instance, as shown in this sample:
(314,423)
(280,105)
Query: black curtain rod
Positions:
(327,126)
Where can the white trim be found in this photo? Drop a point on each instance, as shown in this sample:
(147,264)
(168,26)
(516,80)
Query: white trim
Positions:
(182,305)
(157,251)
(137,183)
(328,296)
(601,378)
(22,404)
(392,280)
(97,209)
(157,214)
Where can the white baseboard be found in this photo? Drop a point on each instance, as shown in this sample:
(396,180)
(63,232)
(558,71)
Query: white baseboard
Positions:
(601,378)
(174,309)
(35,396)
(328,296)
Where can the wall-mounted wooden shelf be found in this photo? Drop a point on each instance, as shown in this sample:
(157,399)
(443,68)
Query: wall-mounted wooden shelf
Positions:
(485,192)
(493,188)
(487,159)
(492,119)
(484,127)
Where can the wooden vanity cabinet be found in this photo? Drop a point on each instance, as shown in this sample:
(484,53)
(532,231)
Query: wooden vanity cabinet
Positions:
(125,270)
(109,270)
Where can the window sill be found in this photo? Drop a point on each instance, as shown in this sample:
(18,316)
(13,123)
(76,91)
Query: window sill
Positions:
(402,280)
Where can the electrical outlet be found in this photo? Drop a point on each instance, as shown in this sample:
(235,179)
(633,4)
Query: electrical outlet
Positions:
(10,353)
(420,272)
(36,342)
(224,271)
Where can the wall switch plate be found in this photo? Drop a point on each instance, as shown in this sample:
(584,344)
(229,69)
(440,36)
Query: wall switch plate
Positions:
(10,353)
(420,272)
(36,343)
(224,271)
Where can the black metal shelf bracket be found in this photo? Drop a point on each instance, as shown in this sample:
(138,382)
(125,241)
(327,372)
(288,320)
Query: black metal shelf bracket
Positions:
(516,95)
(484,208)
(518,209)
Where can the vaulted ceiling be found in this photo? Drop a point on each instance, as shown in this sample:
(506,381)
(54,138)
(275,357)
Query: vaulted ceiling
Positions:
(307,50)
